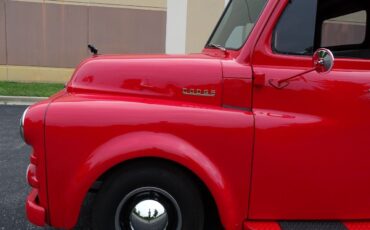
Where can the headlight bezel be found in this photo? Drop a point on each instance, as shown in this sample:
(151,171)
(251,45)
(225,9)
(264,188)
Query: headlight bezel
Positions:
(21,124)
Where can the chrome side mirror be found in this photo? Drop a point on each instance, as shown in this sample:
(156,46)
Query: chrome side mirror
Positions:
(323,60)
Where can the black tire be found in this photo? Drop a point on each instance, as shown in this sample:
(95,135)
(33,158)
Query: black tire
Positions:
(117,196)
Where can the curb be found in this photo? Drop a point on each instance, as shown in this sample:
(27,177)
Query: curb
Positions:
(15,100)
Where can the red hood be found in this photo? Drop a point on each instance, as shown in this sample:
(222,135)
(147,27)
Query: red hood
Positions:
(183,78)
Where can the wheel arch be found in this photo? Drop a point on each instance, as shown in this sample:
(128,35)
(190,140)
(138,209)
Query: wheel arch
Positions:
(213,219)
(139,146)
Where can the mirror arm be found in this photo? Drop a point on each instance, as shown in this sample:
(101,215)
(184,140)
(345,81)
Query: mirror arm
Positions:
(323,61)
(285,82)
(295,76)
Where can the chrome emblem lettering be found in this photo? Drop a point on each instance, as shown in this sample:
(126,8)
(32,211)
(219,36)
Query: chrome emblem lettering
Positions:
(199,92)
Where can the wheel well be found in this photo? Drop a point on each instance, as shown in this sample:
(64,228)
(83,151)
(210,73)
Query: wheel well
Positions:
(212,218)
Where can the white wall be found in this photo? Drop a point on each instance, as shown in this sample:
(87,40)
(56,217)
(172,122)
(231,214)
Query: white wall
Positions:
(176,26)
(190,23)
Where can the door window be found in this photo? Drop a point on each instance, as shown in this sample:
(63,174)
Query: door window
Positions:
(289,37)
(340,25)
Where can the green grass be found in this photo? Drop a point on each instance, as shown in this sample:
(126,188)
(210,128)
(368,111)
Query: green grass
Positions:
(29,89)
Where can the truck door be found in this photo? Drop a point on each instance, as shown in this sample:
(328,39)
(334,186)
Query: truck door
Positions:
(312,137)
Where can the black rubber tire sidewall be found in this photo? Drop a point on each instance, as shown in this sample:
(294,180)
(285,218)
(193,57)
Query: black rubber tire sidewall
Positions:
(170,179)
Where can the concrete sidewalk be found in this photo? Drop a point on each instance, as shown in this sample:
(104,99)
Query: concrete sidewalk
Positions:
(16,100)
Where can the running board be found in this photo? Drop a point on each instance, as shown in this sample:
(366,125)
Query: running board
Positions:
(306,225)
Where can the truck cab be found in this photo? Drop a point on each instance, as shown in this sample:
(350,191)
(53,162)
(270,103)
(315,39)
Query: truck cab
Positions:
(267,128)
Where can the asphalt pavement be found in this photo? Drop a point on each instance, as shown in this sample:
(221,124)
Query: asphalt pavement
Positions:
(14,159)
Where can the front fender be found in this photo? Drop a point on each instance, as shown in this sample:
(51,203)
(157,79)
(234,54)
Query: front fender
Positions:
(142,145)
(86,136)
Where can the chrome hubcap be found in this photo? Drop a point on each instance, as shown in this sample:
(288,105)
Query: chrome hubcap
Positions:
(149,214)
(148,208)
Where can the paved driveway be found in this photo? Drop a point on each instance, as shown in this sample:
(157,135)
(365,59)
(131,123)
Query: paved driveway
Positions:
(14,158)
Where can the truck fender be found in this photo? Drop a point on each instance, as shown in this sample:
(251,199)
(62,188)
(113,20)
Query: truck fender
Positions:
(146,144)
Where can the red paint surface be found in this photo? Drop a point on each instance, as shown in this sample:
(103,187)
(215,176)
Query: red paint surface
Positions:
(312,151)
(35,212)
(360,225)
(254,225)
(311,144)
(161,77)
(201,138)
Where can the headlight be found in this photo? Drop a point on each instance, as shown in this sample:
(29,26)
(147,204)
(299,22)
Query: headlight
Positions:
(21,125)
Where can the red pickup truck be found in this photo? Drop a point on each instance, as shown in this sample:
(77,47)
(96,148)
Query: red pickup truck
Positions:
(262,130)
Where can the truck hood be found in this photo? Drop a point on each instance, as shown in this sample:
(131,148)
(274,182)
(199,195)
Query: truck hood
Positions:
(192,78)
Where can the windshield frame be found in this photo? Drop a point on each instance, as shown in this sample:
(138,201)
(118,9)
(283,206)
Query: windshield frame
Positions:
(208,44)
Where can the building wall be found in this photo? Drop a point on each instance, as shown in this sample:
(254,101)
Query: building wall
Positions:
(44,40)
(202,18)
(190,23)
(177,16)
(2,33)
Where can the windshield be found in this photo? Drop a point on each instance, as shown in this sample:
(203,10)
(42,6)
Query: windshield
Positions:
(236,24)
